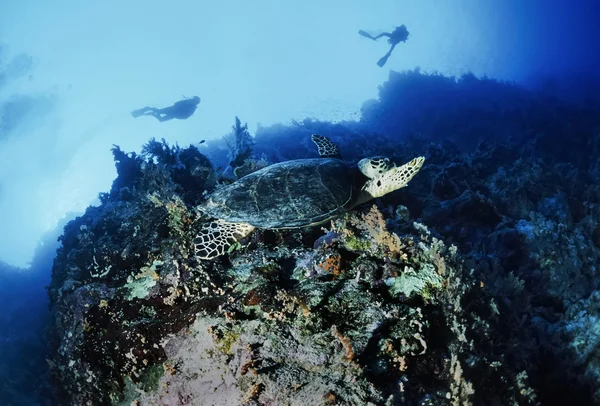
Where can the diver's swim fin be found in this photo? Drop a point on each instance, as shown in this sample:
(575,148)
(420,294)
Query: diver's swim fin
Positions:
(137,113)
(383,60)
(365,34)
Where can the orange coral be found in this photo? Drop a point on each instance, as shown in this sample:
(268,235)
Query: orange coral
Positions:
(254,392)
(330,398)
(332,264)
(345,342)
(252,298)
(374,224)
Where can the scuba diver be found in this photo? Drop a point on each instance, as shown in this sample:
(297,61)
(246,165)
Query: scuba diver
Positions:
(400,34)
(181,110)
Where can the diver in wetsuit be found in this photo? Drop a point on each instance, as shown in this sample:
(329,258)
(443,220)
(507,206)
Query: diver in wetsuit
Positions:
(181,110)
(400,34)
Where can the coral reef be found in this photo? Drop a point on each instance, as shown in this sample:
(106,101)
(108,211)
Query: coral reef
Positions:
(477,284)
(137,318)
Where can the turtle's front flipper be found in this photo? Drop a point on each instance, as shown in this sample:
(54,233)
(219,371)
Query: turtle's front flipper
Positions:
(394,179)
(327,149)
(217,236)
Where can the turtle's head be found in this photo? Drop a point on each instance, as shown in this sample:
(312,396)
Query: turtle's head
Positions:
(392,179)
(375,166)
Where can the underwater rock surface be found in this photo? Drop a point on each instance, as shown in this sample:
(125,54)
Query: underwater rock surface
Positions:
(476,284)
(356,315)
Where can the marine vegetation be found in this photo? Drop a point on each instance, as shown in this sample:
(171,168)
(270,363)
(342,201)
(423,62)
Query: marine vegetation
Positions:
(477,284)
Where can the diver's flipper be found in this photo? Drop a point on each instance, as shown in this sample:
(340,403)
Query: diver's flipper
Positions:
(144,111)
(327,149)
(137,113)
(383,60)
(365,34)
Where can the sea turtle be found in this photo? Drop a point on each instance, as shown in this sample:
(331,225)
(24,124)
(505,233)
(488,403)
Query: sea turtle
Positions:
(296,193)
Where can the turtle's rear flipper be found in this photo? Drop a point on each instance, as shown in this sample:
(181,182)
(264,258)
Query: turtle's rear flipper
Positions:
(394,179)
(327,149)
(215,238)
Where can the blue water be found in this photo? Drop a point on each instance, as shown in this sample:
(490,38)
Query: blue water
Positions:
(71,73)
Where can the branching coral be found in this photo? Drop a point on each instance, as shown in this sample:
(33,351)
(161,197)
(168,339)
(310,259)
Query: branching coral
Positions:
(163,152)
(374,224)
(240,144)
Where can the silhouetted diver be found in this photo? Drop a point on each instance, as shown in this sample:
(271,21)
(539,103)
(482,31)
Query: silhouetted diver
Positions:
(400,34)
(181,110)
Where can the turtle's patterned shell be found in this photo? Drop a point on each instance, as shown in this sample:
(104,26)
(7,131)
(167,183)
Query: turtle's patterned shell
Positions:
(286,195)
